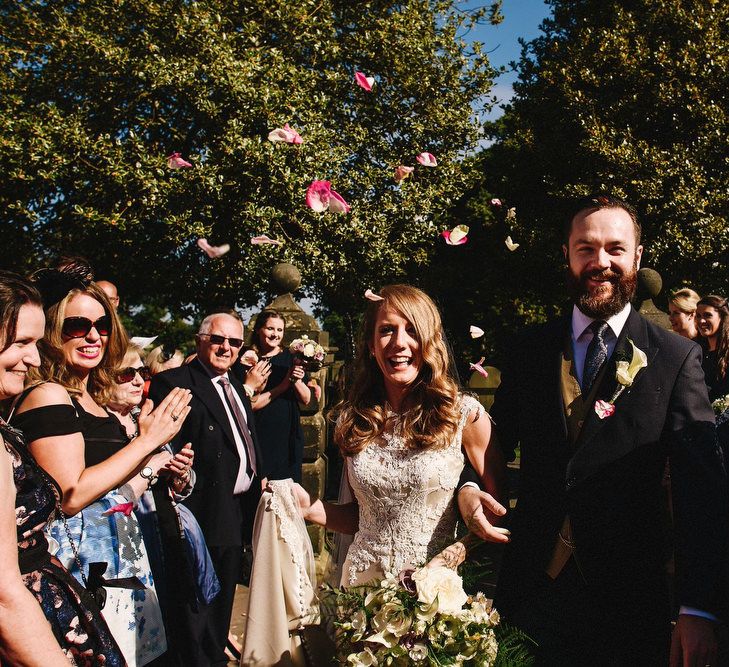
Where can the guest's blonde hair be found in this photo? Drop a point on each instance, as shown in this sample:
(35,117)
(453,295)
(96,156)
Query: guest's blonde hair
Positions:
(685,300)
(155,361)
(431,407)
(54,366)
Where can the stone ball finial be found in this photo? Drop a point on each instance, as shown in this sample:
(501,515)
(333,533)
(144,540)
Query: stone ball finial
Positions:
(650,283)
(285,278)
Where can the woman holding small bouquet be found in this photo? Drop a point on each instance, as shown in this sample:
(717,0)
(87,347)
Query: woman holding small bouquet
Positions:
(281,378)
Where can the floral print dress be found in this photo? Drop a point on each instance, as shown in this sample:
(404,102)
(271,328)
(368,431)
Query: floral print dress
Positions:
(76,622)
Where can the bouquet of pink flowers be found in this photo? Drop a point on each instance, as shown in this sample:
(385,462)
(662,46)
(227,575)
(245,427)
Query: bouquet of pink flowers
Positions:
(309,352)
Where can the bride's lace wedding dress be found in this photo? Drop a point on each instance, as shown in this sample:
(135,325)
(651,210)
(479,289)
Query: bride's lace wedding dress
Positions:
(407,510)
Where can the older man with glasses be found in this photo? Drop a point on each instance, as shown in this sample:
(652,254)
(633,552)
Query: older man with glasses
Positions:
(221,428)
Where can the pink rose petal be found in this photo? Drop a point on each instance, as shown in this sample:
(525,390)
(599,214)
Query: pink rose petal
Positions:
(318,195)
(175,161)
(363,81)
(264,240)
(285,134)
(403,172)
(604,409)
(427,160)
(456,236)
(369,294)
(337,203)
(496,202)
(124,508)
(212,251)
(479,368)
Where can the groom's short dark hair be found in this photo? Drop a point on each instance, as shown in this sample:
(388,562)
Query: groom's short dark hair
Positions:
(595,203)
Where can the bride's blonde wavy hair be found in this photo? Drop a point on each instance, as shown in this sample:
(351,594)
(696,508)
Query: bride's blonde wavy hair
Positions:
(431,406)
(54,366)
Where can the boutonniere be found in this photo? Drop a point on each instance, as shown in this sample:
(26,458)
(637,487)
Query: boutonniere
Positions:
(625,374)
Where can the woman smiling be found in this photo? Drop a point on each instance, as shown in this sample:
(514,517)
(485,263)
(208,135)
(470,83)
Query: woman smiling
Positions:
(84,449)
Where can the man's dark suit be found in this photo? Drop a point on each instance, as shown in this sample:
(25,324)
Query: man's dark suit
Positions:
(226,519)
(609,484)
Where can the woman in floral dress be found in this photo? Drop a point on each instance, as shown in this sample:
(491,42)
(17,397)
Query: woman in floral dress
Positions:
(61,625)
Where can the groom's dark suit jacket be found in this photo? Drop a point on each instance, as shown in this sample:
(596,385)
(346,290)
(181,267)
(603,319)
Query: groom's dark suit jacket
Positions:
(609,481)
(225,519)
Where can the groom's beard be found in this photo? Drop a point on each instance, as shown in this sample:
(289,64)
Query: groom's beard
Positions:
(605,301)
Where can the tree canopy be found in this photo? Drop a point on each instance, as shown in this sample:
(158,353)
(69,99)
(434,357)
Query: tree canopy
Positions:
(629,96)
(97,95)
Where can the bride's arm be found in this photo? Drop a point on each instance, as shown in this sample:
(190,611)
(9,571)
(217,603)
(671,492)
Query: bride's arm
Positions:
(342,518)
(484,455)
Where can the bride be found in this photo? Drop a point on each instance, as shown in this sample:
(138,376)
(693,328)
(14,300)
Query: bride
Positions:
(404,429)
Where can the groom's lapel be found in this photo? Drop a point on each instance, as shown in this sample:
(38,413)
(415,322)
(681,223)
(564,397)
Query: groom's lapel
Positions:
(551,379)
(592,450)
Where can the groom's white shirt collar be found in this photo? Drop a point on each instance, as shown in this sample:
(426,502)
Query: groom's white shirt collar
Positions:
(580,322)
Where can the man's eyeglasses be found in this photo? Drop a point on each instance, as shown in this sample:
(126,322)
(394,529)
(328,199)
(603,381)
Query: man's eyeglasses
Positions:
(216,339)
(128,374)
(79,327)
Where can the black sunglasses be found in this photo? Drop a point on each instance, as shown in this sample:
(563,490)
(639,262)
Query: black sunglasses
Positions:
(79,327)
(216,339)
(128,374)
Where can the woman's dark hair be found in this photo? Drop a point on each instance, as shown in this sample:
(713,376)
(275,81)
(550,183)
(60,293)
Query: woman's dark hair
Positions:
(15,292)
(261,321)
(719,303)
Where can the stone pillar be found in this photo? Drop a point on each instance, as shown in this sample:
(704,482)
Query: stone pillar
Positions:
(649,287)
(285,280)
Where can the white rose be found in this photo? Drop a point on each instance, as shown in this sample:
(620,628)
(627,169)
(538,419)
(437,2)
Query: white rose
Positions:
(392,619)
(364,659)
(441,583)
(418,652)
(309,350)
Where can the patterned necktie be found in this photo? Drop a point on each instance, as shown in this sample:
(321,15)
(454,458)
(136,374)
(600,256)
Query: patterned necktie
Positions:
(240,420)
(596,356)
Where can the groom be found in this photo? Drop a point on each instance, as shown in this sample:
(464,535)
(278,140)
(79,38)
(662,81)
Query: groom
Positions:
(585,572)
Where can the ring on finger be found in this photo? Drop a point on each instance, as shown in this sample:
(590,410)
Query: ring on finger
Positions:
(175,417)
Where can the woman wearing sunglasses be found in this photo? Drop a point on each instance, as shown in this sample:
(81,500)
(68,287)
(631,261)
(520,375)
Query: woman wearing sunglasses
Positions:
(156,511)
(85,450)
(41,604)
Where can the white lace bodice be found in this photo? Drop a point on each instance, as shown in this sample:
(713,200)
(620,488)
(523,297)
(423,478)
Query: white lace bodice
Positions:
(407,512)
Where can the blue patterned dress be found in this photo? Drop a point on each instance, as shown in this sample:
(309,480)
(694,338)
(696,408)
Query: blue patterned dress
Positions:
(134,616)
(76,623)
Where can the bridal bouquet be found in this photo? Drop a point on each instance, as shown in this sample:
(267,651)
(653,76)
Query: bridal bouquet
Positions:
(308,351)
(721,405)
(421,617)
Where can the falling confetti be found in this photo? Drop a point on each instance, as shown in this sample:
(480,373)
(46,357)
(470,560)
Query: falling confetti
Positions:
(478,367)
(456,236)
(363,81)
(403,172)
(510,244)
(175,161)
(320,197)
(285,134)
(476,332)
(264,240)
(212,251)
(369,294)
(427,160)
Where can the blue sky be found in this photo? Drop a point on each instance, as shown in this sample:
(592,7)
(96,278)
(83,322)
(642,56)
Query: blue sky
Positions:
(521,19)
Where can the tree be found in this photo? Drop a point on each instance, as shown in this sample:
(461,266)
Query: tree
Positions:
(624,95)
(97,94)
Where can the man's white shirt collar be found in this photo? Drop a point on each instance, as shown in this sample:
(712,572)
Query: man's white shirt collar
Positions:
(580,321)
